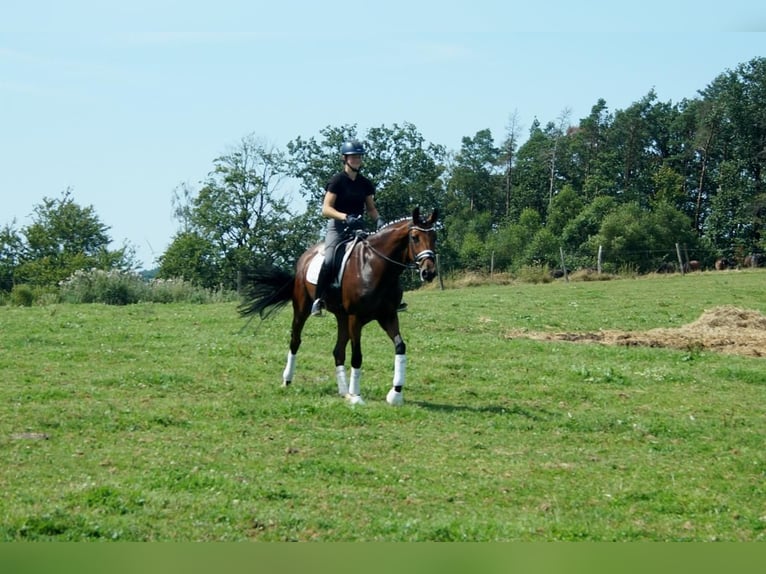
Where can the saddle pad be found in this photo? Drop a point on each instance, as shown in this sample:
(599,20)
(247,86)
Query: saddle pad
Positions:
(312,272)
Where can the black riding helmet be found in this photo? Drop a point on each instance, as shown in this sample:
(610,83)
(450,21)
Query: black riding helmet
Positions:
(352,147)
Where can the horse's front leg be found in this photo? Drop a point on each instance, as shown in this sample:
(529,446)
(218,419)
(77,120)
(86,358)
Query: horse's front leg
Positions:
(390,325)
(339,353)
(355,386)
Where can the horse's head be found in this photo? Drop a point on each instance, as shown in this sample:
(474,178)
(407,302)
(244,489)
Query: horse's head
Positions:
(422,244)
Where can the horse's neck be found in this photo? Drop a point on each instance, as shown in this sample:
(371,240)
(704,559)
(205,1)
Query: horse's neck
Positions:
(390,242)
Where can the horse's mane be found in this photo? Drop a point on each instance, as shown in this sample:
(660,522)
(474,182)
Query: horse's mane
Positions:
(390,224)
(394,222)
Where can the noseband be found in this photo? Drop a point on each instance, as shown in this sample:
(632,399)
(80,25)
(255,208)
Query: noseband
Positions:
(423,255)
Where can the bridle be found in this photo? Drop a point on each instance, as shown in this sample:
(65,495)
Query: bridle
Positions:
(417,258)
(423,255)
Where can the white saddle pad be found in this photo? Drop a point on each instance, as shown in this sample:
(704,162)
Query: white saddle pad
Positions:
(312,273)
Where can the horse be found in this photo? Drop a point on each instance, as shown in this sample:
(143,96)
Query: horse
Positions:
(369,290)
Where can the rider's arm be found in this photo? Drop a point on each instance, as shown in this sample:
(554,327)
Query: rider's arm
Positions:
(372,210)
(328,207)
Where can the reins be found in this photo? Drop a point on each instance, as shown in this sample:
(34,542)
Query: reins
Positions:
(425,254)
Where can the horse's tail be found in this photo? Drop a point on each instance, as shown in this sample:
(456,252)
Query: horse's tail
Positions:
(266,290)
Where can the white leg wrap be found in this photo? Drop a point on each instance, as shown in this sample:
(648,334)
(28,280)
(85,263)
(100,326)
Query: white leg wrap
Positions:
(287,374)
(400,370)
(340,375)
(356,380)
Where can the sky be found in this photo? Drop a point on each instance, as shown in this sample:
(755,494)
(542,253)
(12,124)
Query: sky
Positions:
(124,102)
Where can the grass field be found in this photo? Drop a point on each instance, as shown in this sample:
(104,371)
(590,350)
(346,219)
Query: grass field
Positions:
(168,422)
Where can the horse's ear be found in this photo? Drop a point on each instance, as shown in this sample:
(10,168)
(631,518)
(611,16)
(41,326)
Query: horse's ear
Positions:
(434,216)
(416,215)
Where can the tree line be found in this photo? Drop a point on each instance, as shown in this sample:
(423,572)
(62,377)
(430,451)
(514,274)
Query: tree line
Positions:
(633,182)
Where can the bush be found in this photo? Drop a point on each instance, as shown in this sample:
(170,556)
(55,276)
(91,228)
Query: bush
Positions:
(22,296)
(534,274)
(587,274)
(124,288)
(99,286)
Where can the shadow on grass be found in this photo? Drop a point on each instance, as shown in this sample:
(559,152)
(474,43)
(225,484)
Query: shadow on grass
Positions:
(539,415)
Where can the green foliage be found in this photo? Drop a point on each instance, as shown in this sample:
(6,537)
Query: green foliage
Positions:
(97,286)
(566,205)
(10,254)
(543,249)
(190,257)
(63,238)
(636,181)
(534,274)
(125,288)
(406,170)
(22,295)
(475,185)
(640,239)
(236,219)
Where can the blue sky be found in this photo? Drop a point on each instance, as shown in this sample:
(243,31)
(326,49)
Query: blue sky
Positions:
(124,101)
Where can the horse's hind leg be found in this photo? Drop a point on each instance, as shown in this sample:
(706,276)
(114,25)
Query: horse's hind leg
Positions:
(299,320)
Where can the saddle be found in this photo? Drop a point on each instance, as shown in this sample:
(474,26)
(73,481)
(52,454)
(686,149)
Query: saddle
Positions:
(340,258)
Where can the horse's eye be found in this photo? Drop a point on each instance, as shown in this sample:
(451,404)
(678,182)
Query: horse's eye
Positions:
(416,239)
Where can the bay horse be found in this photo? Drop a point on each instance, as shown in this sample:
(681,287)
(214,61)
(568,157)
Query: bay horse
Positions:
(369,290)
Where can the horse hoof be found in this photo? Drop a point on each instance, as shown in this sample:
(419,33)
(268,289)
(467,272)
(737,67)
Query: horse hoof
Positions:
(286,383)
(394,399)
(354,399)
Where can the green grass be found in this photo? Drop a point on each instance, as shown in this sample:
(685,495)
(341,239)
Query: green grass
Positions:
(168,422)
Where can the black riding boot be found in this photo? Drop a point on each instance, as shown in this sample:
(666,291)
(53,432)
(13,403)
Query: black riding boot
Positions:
(325,275)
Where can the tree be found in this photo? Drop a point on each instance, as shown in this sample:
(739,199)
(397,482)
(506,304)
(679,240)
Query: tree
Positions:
(577,233)
(590,161)
(63,238)
(474,184)
(10,253)
(237,219)
(640,239)
(508,157)
(564,208)
(532,173)
(193,258)
(512,241)
(738,98)
(406,171)
(556,134)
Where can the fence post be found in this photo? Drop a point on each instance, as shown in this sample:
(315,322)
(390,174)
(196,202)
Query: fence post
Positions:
(439,274)
(598,261)
(680,261)
(563,264)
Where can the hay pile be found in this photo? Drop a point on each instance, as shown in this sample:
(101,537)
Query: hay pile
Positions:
(724,329)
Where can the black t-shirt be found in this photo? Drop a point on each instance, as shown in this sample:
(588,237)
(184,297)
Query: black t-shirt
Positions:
(350,194)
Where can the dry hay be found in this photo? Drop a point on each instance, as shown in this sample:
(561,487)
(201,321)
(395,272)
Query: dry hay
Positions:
(724,329)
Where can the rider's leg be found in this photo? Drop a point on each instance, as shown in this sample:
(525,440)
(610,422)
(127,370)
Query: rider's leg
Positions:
(332,238)
(325,275)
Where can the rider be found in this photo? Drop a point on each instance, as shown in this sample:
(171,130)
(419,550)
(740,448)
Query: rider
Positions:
(347,196)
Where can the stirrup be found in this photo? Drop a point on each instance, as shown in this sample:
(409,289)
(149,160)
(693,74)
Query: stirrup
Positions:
(316,308)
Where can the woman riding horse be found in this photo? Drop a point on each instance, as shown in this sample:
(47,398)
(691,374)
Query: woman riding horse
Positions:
(369,290)
(347,195)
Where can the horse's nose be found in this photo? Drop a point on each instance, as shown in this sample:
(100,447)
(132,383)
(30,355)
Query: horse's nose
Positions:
(427,273)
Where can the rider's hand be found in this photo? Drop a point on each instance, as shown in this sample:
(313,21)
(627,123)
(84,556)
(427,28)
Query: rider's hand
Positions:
(354,221)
